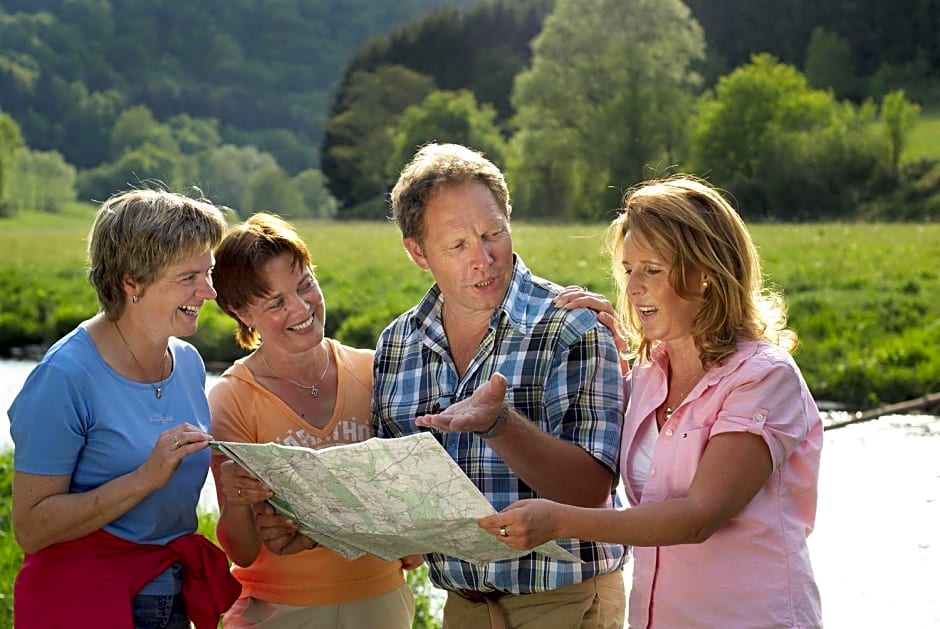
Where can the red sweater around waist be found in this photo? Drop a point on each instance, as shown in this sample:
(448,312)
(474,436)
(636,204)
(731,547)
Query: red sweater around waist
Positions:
(90,582)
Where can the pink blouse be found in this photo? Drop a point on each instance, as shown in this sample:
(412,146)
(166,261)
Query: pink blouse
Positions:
(755,571)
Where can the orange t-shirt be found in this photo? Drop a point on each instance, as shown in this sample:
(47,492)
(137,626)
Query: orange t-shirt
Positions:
(246,412)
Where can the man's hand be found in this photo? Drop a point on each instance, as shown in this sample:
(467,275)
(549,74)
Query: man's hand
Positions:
(475,414)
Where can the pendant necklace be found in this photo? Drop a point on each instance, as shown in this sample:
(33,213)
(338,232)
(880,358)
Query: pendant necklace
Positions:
(314,391)
(669,410)
(157,388)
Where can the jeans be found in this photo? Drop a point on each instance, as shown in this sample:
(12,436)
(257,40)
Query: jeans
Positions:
(159,612)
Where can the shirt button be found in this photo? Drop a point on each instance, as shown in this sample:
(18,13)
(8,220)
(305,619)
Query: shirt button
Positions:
(669,432)
(759,417)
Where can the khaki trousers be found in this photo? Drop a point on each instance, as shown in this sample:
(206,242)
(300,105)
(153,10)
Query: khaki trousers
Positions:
(394,610)
(595,604)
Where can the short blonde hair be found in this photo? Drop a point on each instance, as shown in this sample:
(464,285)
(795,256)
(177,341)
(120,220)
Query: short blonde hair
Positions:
(692,227)
(139,233)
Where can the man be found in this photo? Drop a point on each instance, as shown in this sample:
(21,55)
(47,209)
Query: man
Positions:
(527,395)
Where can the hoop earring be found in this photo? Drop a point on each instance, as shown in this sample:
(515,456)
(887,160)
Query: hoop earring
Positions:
(135,298)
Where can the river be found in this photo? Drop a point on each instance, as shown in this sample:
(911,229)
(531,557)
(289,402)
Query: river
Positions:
(876,547)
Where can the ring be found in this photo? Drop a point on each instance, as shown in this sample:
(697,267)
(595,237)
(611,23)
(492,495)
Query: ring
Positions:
(239,492)
(503,531)
(176,441)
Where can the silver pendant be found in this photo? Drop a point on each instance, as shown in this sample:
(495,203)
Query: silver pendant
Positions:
(314,391)
(158,392)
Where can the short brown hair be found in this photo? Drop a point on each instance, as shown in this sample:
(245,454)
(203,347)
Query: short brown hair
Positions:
(436,166)
(693,227)
(239,260)
(138,233)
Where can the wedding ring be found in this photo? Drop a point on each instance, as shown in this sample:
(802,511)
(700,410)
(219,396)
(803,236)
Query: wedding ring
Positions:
(176,441)
(239,492)
(503,531)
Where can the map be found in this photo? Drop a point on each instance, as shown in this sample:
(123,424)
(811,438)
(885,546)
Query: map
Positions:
(386,497)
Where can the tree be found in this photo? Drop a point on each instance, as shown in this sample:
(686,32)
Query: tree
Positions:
(605,101)
(225,171)
(42,181)
(446,117)
(271,189)
(829,64)
(748,109)
(316,196)
(783,149)
(142,165)
(898,115)
(357,137)
(194,135)
(10,144)
(136,126)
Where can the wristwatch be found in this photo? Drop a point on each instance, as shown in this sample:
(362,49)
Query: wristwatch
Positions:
(497,426)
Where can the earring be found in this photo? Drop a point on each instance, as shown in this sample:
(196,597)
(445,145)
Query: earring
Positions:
(704,285)
(135,298)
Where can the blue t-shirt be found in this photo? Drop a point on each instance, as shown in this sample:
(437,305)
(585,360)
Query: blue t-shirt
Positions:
(76,416)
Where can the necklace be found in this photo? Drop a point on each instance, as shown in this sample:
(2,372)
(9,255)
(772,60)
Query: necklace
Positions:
(669,410)
(314,391)
(157,389)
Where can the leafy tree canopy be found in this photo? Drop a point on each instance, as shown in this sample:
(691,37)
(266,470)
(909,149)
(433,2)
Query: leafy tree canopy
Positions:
(69,67)
(608,95)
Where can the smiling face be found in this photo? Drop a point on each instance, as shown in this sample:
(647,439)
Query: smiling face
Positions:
(291,316)
(662,313)
(467,247)
(178,293)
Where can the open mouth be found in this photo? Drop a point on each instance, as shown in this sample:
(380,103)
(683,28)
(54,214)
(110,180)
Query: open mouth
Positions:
(300,327)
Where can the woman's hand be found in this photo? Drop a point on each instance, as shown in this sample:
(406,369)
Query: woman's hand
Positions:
(524,524)
(410,562)
(172,446)
(580,297)
(279,534)
(239,487)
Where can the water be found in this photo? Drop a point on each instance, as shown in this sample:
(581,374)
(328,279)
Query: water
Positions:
(876,547)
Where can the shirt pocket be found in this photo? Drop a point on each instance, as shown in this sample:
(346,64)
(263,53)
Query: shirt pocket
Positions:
(679,451)
(529,401)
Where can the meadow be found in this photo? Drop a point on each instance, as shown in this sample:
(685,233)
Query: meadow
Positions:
(924,138)
(862,296)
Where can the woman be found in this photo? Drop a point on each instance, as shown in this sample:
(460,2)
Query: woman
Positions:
(110,439)
(298,388)
(721,440)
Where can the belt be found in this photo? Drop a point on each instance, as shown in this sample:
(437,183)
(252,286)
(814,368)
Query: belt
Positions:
(481,597)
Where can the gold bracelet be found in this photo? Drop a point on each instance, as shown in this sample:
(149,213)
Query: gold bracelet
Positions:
(497,426)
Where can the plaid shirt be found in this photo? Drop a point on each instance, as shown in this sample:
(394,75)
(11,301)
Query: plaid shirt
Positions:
(563,374)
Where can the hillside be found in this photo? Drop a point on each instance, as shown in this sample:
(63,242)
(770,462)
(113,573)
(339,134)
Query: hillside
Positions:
(263,68)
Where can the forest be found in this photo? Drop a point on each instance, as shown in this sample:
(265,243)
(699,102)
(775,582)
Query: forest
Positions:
(800,110)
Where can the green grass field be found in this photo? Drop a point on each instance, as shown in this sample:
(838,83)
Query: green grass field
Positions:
(862,296)
(924,139)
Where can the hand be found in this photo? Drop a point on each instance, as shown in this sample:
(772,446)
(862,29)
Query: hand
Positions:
(579,297)
(527,523)
(410,562)
(239,487)
(475,414)
(172,446)
(279,534)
